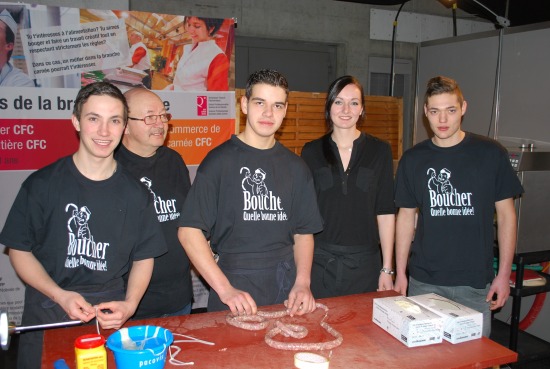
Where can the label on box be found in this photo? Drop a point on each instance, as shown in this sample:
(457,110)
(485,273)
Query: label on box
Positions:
(460,323)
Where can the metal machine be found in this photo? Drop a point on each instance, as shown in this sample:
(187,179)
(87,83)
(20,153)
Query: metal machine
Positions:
(533,168)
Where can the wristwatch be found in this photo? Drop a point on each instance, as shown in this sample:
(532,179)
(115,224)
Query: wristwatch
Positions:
(387,271)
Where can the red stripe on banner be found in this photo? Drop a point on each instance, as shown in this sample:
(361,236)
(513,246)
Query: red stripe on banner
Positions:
(29,144)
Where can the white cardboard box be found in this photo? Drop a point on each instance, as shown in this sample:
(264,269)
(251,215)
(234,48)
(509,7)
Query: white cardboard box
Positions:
(407,321)
(460,323)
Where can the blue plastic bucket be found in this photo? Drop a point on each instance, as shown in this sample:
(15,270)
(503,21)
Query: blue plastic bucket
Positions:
(142,346)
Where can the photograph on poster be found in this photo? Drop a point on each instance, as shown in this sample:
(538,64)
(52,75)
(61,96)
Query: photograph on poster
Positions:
(13,70)
(129,49)
(178,52)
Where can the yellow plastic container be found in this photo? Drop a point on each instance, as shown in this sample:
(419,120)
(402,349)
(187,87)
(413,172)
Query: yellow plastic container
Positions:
(90,352)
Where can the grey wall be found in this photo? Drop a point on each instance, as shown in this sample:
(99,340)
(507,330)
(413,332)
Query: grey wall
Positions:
(525,80)
(520,113)
(336,22)
(472,62)
(343,24)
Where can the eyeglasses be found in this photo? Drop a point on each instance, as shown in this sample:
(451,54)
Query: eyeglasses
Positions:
(153,119)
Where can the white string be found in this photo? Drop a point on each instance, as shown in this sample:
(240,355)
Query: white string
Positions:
(97,322)
(192,339)
(173,355)
(175,350)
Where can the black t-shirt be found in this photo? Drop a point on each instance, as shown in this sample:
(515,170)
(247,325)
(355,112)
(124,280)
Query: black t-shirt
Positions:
(166,177)
(455,190)
(248,200)
(350,200)
(84,232)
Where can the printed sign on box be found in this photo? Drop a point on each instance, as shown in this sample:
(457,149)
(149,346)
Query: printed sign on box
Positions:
(460,323)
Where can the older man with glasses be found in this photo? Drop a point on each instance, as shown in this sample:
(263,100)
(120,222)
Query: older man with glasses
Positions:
(164,173)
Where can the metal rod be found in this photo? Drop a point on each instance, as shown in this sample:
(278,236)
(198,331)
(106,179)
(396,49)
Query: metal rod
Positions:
(454,19)
(392,67)
(69,323)
(496,101)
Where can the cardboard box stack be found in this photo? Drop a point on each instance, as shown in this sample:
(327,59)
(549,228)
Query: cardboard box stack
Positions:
(409,322)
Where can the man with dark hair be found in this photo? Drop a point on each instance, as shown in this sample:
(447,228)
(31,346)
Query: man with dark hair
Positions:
(255,201)
(165,175)
(456,180)
(79,225)
(9,75)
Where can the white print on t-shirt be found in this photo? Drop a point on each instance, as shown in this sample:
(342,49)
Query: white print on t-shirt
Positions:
(445,200)
(259,203)
(166,209)
(82,249)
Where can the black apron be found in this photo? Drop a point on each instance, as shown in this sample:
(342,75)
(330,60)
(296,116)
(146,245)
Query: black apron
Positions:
(268,277)
(344,270)
(40,309)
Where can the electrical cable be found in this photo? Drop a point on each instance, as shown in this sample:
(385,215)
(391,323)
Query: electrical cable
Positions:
(392,72)
(501,21)
(536,308)
(496,96)
(454,19)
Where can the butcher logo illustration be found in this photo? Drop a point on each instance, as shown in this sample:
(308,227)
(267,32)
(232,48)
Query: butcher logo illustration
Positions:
(82,250)
(166,209)
(78,222)
(148,183)
(445,200)
(255,182)
(259,203)
(441,183)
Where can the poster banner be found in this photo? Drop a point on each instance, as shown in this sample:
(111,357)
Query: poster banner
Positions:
(48,53)
(36,128)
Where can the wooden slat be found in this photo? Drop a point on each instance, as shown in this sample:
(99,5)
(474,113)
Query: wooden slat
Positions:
(305,120)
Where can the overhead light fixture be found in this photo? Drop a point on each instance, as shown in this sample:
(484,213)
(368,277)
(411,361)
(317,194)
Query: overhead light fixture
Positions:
(502,21)
(469,5)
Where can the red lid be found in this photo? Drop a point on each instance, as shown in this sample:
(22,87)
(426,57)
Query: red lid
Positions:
(89,341)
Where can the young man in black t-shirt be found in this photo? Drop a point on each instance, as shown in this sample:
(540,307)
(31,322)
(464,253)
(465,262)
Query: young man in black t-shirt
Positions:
(456,180)
(78,225)
(255,201)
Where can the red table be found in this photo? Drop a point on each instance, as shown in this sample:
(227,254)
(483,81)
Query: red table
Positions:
(365,344)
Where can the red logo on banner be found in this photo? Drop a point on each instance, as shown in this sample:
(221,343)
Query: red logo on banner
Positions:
(202,106)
